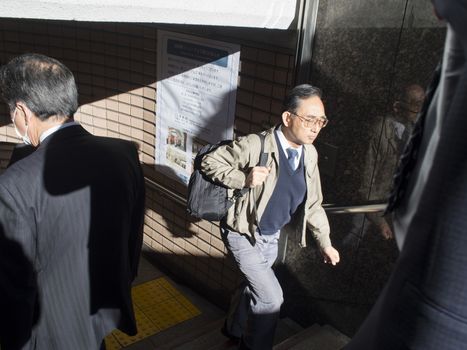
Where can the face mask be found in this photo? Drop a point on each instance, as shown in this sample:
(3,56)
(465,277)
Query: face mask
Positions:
(24,137)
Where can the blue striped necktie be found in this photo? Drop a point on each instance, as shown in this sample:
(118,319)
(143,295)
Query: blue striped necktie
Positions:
(292,154)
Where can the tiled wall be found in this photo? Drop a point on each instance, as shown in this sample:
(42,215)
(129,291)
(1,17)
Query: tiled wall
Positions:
(115,69)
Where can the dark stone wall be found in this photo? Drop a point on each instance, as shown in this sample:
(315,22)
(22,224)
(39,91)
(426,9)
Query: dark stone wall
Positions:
(364,54)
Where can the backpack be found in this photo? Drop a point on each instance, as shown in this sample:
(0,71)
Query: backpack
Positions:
(207,199)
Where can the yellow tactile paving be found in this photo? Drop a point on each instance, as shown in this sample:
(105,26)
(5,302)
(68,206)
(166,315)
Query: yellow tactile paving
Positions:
(166,314)
(186,303)
(111,343)
(146,328)
(158,306)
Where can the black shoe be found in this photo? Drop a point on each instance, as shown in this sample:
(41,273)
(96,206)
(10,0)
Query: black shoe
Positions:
(226,333)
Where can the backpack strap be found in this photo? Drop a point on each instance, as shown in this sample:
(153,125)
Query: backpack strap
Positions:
(263,159)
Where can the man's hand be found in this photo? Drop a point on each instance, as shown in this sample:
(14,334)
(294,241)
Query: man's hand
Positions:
(385,230)
(256,176)
(331,255)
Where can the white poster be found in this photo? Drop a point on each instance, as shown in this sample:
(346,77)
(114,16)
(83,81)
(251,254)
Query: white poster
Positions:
(196,92)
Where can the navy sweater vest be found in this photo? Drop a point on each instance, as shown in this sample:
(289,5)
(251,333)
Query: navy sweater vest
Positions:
(288,194)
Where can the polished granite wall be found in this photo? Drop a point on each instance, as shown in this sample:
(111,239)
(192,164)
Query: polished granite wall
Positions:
(364,54)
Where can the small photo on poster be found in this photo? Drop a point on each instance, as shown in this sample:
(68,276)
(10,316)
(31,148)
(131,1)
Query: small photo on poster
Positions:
(176,148)
(175,158)
(176,138)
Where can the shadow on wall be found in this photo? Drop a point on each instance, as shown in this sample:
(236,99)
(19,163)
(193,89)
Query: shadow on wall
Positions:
(200,273)
(188,248)
(167,211)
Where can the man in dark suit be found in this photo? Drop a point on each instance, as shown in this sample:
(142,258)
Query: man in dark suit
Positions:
(73,211)
(424,304)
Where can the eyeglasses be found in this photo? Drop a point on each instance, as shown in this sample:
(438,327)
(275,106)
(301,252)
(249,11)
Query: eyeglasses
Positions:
(311,120)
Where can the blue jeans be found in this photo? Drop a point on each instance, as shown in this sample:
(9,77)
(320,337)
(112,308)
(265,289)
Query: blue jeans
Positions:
(255,306)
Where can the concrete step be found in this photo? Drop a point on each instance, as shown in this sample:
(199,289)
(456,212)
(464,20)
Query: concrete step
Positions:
(203,331)
(286,328)
(188,332)
(209,337)
(315,337)
(297,338)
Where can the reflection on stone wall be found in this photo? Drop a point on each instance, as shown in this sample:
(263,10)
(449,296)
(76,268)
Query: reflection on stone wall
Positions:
(364,55)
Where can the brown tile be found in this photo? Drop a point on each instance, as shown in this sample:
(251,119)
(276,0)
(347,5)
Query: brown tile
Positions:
(263,88)
(278,92)
(265,72)
(266,57)
(246,83)
(247,68)
(262,103)
(248,53)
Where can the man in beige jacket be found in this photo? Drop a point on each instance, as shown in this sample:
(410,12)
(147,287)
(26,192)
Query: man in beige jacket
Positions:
(288,186)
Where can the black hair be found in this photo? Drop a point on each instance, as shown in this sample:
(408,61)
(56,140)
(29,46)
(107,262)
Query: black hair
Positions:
(45,85)
(300,92)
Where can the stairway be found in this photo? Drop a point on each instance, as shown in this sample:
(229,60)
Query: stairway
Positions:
(289,335)
(315,337)
(203,331)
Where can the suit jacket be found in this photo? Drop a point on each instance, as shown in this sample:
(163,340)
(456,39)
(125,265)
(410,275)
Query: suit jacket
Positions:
(74,209)
(424,304)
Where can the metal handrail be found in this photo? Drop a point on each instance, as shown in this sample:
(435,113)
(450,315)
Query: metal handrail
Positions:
(354,209)
(329,208)
(165,191)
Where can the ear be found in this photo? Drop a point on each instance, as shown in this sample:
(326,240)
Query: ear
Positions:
(396,106)
(24,112)
(286,118)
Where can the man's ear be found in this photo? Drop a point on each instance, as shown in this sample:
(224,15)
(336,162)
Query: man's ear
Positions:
(23,112)
(396,106)
(286,116)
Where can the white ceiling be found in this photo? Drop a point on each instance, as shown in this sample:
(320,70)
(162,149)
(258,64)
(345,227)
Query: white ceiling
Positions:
(272,14)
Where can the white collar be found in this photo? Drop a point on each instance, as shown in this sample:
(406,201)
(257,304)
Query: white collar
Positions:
(285,144)
(53,129)
(398,128)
